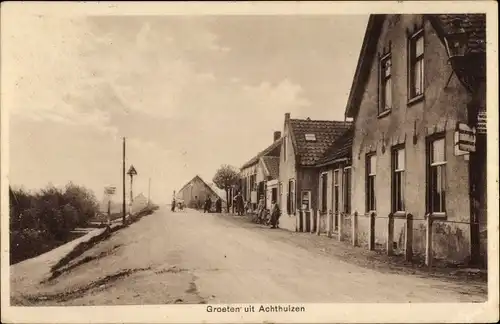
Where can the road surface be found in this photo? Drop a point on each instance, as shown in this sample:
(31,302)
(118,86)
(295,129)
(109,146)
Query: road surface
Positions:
(191,257)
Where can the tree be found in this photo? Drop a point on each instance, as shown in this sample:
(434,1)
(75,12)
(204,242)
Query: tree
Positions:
(225,178)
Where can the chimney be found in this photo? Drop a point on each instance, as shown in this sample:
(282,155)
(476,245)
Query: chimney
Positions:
(287,116)
(277,136)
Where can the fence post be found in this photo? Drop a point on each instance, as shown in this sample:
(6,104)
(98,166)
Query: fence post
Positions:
(409,237)
(297,220)
(329,224)
(341,227)
(371,235)
(318,219)
(390,234)
(354,228)
(428,241)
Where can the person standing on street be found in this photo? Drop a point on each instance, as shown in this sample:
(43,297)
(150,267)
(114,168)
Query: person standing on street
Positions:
(218,205)
(173,204)
(275,214)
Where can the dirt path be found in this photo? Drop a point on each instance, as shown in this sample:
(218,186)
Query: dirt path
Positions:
(190,257)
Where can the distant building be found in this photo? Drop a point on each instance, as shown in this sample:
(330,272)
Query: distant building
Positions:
(194,193)
(262,168)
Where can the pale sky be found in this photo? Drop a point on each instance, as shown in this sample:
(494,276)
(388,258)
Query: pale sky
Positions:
(189,92)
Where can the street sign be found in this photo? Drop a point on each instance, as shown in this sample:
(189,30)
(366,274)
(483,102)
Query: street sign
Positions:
(465,138)
(110,190)
(132,171)
(481,122)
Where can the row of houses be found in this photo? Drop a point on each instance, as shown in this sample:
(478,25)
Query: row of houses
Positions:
(395,153)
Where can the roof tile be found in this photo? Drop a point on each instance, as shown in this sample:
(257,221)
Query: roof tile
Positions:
(326,133)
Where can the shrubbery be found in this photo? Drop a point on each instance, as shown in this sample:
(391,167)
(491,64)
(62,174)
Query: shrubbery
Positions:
(42,220)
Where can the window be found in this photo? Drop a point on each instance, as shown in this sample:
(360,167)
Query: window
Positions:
(416,65)
(371,167)
(398,172)
(385,84)
(310,137)
(306,200)
(347,190)
(436,185)
(336,195)
(291,197)
(274,195)
(324,190)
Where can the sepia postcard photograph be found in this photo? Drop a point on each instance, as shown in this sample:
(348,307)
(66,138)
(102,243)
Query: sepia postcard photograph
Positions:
(249,162)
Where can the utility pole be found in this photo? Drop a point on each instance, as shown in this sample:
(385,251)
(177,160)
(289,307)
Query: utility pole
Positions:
(123,184)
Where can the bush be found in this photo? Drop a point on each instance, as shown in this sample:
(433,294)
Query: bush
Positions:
(42,220)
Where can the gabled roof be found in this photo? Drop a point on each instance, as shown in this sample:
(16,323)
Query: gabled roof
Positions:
(271,150)
(202,181)
(340,149)
(272,166)
(474,24)
(325,131)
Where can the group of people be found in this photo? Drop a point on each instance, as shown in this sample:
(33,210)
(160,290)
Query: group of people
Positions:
(207,206)
(265,216)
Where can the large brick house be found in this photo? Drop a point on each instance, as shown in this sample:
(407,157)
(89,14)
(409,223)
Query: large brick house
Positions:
(406,101)
(304,143)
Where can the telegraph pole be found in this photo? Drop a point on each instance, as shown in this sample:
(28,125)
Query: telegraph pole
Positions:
(123,184)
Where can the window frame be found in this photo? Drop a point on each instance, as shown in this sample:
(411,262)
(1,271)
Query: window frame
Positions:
(346,190)
(413,58)
(429,204)
(368,176)
(336,191)
(394,171)
(383,110)
(302,192)
(323,194)
(292,196)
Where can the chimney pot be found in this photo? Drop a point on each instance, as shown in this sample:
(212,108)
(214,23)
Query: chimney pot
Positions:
(276,136)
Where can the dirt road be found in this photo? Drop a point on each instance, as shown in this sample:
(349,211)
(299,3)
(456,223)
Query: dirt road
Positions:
(191,257)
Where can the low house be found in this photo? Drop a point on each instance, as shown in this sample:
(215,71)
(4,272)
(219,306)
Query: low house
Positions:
(195,191)
(259,170)
(334,185)
(407,101)
(304,143)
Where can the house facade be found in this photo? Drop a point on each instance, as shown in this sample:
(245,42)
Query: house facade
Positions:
(195,191)
(334,186)
(406,102)
(259,170)
(304,143)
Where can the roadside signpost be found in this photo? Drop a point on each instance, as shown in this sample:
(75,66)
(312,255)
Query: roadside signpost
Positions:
(109,191)
(465,139)
(131,172)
